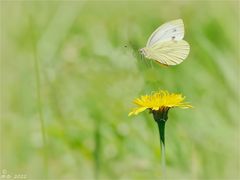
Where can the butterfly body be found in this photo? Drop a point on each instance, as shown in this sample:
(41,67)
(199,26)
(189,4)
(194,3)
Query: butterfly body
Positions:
(146,52)
(166,46)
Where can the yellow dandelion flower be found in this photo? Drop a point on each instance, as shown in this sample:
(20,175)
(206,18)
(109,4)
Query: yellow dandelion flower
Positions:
(159,101)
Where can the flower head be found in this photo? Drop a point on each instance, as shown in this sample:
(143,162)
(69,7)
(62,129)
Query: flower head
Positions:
(158,102)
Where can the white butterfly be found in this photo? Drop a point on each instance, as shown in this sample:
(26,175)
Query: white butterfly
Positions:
(165,45)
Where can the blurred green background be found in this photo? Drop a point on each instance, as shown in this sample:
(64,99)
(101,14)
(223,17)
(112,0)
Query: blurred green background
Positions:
(75,66)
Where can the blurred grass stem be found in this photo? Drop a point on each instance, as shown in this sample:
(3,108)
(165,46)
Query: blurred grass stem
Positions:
(97,149)
(39,99)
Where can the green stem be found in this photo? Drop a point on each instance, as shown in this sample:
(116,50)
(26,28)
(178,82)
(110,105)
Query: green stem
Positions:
(161,117)
(161,128)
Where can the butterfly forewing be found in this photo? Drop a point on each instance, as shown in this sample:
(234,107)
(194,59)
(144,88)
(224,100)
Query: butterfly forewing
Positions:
(173,30)
(170,52)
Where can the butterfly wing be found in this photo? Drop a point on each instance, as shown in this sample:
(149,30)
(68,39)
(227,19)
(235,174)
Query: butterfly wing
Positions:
(172,30)
(170,52)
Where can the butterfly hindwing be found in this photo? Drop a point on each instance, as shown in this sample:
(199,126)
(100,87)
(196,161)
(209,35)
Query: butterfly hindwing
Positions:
(170,52)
